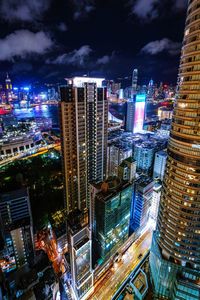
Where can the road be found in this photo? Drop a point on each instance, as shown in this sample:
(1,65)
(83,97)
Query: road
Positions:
(118,273)
(38,151)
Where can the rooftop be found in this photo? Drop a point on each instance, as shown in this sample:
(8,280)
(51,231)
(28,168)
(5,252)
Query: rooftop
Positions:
(111,187)
(80,81)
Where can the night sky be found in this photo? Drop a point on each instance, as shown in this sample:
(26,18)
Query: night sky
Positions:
(51,39)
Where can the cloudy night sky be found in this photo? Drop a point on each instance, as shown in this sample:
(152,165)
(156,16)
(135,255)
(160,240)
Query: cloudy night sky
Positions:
(51,39)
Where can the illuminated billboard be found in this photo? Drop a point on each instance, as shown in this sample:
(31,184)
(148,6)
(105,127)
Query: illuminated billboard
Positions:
(139,113)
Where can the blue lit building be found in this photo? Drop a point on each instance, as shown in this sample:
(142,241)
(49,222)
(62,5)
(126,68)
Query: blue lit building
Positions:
(143,192)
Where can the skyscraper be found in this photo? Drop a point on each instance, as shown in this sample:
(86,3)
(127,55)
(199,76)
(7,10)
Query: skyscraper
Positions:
(8,88)
(134,80)
(84,119)
(112,216)
(135,113)
(175,254)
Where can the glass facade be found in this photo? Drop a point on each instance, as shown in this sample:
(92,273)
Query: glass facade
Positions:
(176,270)
(112,220)
(170,280)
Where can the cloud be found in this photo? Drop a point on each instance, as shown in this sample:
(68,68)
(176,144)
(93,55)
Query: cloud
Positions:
(145,8)
(155,47)
(82,8)
(22,43)
(105,59)
(150,9)
(76,57)
(62,27)
(23,10)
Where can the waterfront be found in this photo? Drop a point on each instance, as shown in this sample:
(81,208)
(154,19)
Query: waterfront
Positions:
(40,111)
(51,111)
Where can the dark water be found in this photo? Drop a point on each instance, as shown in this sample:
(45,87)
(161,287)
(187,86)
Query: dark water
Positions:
(42,111)
(51,111)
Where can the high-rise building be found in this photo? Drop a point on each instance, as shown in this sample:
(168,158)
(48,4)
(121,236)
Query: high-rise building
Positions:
(112,216)
(8,88)
(134,80)
(175,253)
(17,228)
(84,121)
(135,113)
(159,164)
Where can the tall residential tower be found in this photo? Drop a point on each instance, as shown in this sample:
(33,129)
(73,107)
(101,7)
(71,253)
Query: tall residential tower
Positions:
(175,254)
(84,119)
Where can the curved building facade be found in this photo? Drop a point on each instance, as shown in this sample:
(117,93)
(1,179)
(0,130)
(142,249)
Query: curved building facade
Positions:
(176,243)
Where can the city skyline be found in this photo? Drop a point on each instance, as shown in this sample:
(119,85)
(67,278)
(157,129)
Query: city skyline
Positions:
(99,177)
(66,39)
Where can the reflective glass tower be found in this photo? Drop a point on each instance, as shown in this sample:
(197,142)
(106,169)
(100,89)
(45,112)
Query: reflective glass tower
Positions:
(175,255)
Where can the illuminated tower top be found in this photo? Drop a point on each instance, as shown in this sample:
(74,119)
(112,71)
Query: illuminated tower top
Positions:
(8,83)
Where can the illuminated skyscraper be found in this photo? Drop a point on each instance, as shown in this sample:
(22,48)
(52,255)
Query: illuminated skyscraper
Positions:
(175,254)
(135,113)
(84,119)
(135,80)
(8,87)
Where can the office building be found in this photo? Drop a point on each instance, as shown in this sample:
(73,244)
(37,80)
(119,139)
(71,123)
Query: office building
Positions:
(112,217)
(175,253)
(143,192)
(17,229)
(159,164)
(144,156)
(84,121)
(135,113)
